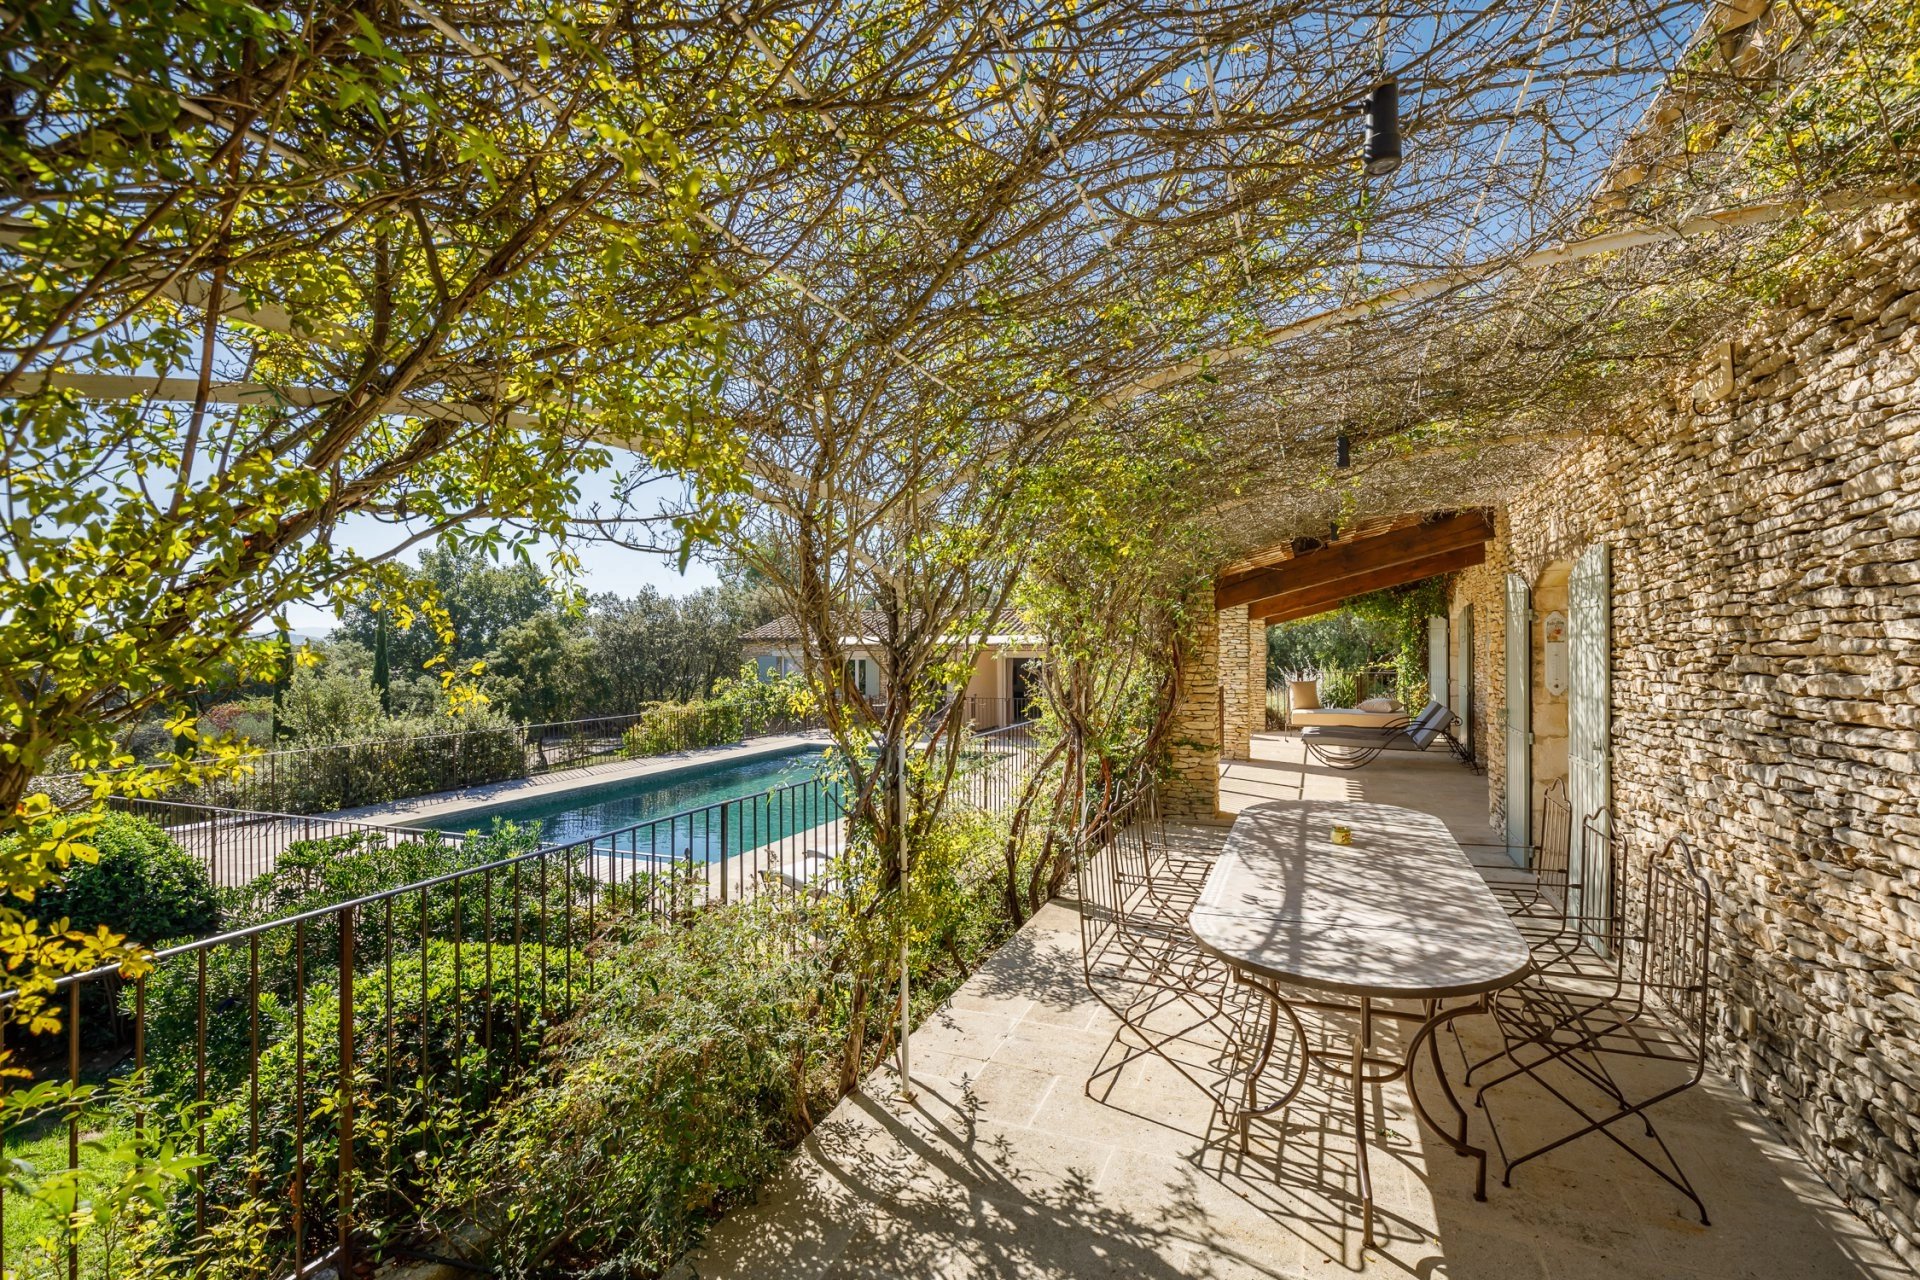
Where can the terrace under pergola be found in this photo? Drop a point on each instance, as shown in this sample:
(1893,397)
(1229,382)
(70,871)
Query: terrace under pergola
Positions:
(1016,1156)
(1600,309)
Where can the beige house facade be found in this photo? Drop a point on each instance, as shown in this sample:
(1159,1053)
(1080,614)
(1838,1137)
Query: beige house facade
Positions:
(1004,688)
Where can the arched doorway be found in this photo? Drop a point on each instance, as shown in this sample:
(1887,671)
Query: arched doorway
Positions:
(1547,692)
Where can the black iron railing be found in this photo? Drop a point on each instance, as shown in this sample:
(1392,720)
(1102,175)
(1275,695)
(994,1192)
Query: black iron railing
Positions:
(993,766)
(785,839)
(998,713)
(329,1053)
(323,1060)
(325,1055)
(237,845)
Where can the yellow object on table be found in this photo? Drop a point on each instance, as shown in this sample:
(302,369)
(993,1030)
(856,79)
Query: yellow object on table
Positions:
(1343,835)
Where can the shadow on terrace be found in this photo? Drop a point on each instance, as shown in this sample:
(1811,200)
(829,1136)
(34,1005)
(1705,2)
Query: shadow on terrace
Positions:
(1006,1162)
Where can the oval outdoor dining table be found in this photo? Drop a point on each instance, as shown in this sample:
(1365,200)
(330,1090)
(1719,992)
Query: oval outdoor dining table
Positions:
(1398,914)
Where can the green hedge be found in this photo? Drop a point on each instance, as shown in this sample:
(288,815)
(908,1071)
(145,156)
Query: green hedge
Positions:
(683,726)
(143,885)
(739,708)
(375,770)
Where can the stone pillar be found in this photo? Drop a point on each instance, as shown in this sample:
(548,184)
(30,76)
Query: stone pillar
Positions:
(1236,692)
(1256,678)
(1193,788)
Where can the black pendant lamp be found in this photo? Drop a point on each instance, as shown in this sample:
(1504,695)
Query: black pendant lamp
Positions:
(1383,129)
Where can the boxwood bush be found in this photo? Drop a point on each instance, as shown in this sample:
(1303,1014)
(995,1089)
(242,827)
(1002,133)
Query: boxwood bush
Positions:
(144,885)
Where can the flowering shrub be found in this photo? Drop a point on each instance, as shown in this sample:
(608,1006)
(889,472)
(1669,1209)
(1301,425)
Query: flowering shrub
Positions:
(710,1047)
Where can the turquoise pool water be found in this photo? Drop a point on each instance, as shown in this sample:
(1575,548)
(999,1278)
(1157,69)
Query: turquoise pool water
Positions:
(614,806)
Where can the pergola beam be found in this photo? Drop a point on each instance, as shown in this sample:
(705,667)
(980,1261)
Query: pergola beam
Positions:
(1305,604)
(1261,589)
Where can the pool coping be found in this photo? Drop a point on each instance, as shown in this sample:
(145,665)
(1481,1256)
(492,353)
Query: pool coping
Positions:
(422,809)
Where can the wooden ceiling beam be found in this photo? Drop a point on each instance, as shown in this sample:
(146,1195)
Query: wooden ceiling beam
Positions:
(1351,559)
(1304,604)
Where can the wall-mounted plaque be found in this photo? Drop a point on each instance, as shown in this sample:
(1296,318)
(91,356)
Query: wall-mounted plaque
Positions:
(1553,638)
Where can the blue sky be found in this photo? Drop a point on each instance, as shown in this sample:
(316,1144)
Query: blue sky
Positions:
(602,567)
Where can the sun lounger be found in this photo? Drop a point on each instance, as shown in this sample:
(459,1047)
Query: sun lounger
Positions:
(1353,746)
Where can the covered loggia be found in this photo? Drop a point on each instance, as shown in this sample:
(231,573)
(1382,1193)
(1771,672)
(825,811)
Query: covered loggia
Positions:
(1713,598)
(1152,323)
(1295,579)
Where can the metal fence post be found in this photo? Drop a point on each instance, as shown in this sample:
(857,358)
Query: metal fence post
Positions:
(345,1265)
(723,854)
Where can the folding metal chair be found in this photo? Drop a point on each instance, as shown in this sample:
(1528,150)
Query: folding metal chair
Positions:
(1658,1011)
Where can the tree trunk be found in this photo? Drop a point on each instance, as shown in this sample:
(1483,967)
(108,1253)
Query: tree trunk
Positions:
(853,1054)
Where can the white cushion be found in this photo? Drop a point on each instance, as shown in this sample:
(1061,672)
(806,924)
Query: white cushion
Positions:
(1349,716)
(1379,704)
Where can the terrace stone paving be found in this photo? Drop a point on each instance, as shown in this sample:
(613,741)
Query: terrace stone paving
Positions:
(1002,1165)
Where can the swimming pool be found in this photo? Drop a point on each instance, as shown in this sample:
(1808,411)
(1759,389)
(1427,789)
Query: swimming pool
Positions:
(586,812)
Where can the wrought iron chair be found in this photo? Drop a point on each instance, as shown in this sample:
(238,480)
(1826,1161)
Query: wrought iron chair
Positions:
(1138,957)
(1131,926)
(1572,950)
(1538,898)
(1173,874)
(1659,1011)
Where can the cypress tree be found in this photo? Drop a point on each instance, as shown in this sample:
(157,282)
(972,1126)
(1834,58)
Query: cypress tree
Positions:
(381,679)
(281,679)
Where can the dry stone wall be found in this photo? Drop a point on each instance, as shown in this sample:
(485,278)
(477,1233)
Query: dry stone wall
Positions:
(1192,786)
(1766,695)
(1484,587)
(1256,680)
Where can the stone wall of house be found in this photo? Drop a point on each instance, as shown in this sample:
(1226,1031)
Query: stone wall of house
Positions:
(1484,587)
(1766,694)
(1192,787)
(1236,691)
